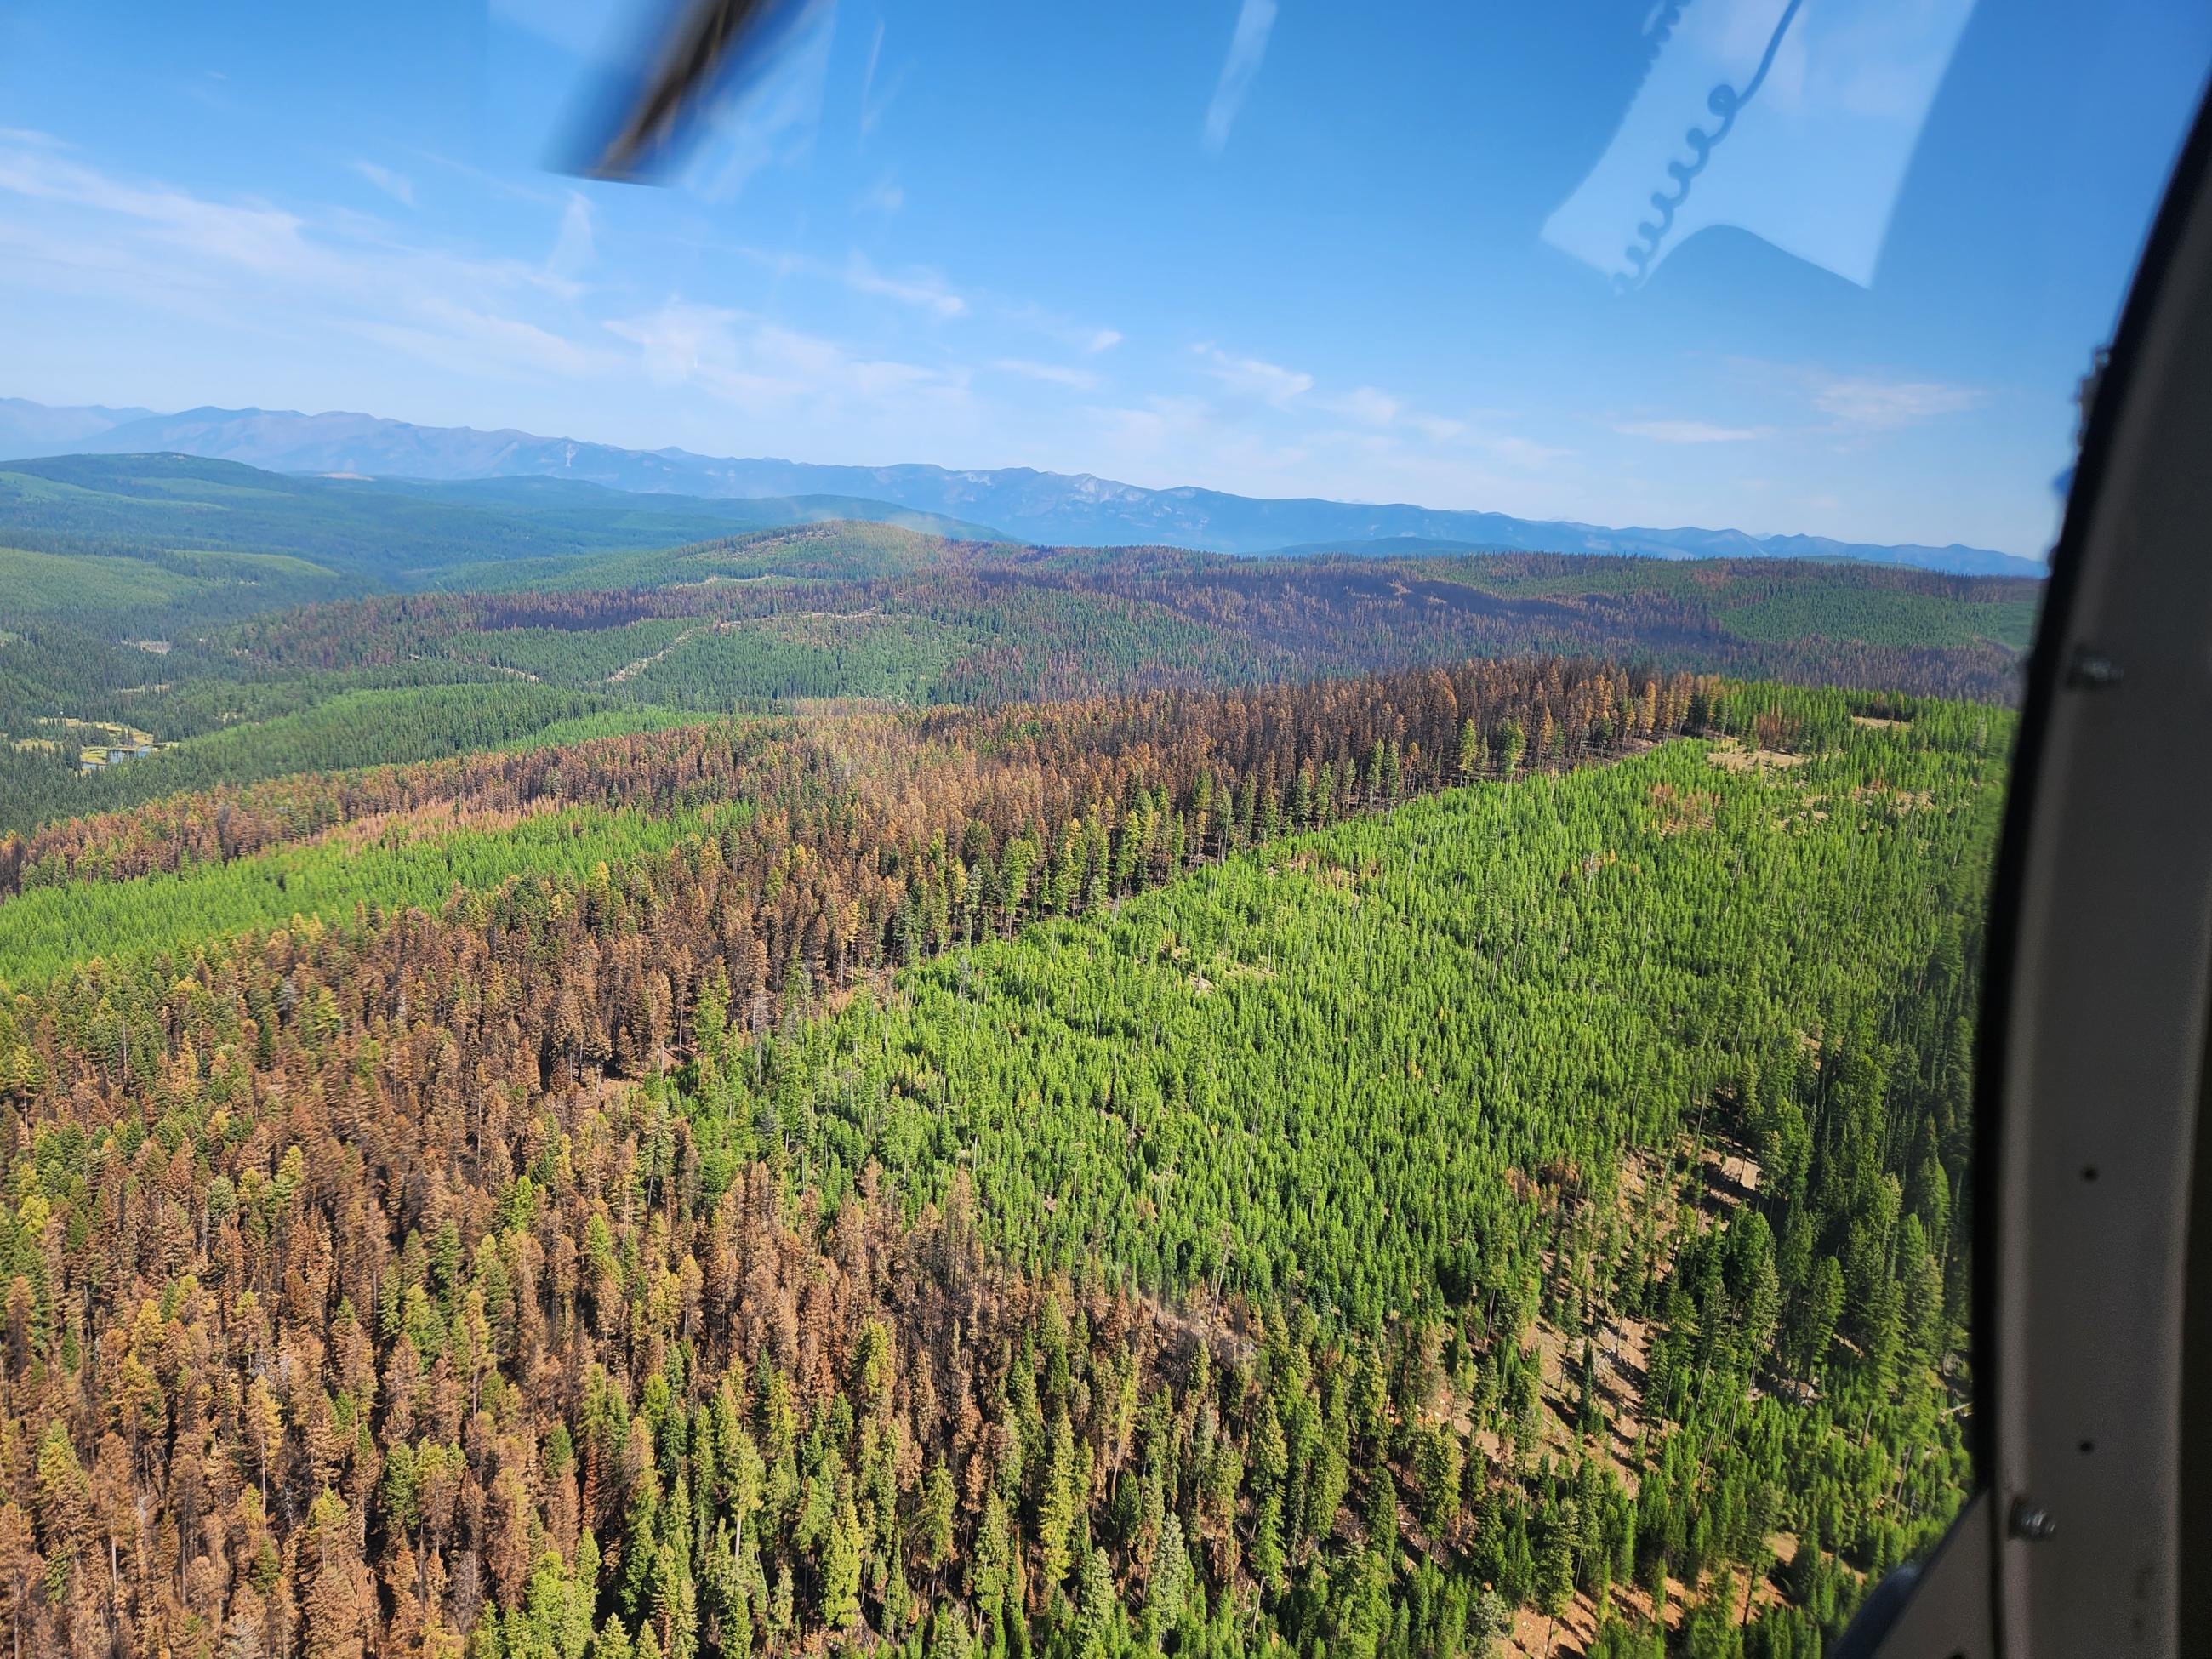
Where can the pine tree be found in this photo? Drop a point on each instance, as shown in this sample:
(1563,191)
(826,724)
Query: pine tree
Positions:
(1167,1591)
(1058,1505)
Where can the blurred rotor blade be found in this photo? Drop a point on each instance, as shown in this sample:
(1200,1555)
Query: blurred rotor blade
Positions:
(649,110)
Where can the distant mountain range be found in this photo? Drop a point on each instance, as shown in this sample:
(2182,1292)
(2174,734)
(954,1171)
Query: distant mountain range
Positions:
(1052,509)
(29,428)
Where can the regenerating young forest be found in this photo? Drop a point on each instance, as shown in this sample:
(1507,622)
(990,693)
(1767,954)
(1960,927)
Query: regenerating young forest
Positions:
(849,1092)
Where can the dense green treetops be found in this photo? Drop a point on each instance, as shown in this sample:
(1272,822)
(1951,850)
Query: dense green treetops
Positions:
(1348,1166)
(636,1087)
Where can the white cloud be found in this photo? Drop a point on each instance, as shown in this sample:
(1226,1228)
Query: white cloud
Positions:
(491,183)
(1256,21)
(1684,432)
(1082,380)
(380,313)
(1525,453)
(1359,438)
(264,267)
(449,333)
(1252,377)
(1388,418)
(1172,440)
(398,187)
(683,343)
(882,197)
(261,238)
(1365,404)
(1218,440)
(574,246)
(923,289)
(1863,403)
(873,108)
(759,365)
(1085,337)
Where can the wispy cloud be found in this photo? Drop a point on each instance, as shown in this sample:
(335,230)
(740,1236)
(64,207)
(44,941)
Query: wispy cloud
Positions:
(874,107)
(881,197)
(1164,440)
(1524,452)
(397,185)
(1865,403)
(762,366)
(1856,403)
(257,265)
(1684,432)
(1388,422)
(207,89)
(1081,379)
(923,289)
(451,333)
(1089,339)
(574,246)
(1364,432)
(1365,404)
(490,183)
(254,235)
(918,287)
(1252,377)
(684,341)
(1256,21)
(1176,440)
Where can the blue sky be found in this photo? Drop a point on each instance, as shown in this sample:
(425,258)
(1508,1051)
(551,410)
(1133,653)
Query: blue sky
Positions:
(1265,246)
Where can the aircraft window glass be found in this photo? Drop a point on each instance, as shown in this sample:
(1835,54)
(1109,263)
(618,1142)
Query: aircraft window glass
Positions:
(1069,832)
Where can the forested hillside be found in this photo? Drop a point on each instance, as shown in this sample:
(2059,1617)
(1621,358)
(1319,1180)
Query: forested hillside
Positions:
(1380,1164)
(395,532)
(607,1095)
(223,655)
